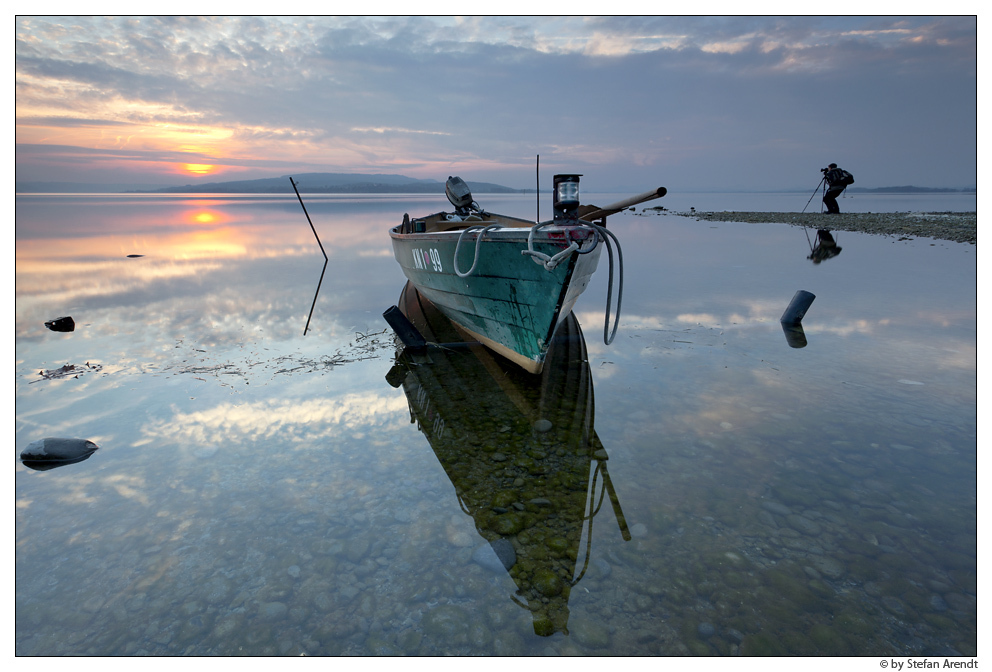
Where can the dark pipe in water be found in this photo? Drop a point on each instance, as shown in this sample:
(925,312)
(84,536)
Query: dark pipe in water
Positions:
(796,311)
(404,328)
(794,334)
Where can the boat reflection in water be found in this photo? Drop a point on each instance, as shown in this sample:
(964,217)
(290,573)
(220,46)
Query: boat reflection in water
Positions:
(520,450)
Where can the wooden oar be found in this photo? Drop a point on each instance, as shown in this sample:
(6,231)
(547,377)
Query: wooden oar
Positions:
(592,212)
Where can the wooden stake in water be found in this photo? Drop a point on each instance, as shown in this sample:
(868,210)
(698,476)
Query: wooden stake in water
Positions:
(319,282)
(308,217)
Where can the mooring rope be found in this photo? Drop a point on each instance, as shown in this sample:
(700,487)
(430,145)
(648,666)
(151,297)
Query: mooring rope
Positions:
(550,262)
(606,234)
(478,241)
(547,261)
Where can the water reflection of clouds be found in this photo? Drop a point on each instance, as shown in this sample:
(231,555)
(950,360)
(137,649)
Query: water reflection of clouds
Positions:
(128,486)
(716,375)
(304,423)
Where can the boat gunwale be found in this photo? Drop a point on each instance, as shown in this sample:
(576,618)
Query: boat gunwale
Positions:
(548,233)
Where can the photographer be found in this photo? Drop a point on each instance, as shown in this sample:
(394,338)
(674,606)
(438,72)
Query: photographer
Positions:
(837,180)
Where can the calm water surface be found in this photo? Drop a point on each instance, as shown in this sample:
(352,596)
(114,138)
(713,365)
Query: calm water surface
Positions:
(259,491)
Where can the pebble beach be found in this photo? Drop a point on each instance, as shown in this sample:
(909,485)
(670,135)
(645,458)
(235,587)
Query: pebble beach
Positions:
(958,227)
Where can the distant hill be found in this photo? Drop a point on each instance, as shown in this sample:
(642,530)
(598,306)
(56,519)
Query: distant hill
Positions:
(79,188)
(908,190)
(334,183)
(310,183)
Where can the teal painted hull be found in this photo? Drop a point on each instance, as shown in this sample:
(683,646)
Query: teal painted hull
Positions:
(510,302)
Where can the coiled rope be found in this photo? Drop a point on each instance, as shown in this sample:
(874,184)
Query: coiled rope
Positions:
(478,241)
(549,262)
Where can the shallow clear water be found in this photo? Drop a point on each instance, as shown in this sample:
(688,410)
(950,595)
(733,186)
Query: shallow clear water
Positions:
(260,491)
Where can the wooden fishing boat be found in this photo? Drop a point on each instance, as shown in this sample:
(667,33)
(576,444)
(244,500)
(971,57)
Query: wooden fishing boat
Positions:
(505,281)
(521,452)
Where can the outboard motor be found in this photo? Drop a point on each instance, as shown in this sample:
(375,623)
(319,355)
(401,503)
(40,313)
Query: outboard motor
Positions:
(459,194)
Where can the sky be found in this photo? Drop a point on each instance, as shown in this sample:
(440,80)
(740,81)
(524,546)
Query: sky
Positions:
(690,103)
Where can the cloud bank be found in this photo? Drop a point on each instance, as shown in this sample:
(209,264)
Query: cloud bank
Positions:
(690,102)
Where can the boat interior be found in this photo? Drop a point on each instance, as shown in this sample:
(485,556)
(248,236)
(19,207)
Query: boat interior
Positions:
(447,221)
(468,213)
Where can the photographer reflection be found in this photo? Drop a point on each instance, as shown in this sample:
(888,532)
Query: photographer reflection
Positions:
(826,247)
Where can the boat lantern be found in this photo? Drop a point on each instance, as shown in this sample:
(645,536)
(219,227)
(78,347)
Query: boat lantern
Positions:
(566,196)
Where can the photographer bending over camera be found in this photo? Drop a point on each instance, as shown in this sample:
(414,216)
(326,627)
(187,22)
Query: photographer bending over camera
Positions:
(837,180)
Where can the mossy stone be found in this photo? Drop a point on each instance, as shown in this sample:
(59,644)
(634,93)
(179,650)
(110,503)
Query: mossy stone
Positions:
(863,568)
(508,524)
(860,547)
(734,579)
(505,498)
(821,589)
(547,582)
(854,623)
(762,644)
(940,622)
(698,648)
(525,462)
(538,552)
(543,626)
(828,640)
(558,545)
(794,591)
(797,643)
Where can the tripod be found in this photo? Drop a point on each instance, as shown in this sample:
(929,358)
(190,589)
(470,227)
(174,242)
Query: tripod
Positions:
(822,181)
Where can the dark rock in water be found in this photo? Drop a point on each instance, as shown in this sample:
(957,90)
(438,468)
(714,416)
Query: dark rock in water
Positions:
(543,425)
(61,324)
(135,256)
(496,556)
(505,552)
(706,630)
(49,453)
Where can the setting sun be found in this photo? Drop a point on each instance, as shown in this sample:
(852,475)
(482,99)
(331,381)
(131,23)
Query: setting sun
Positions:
(204,217)
(199,168)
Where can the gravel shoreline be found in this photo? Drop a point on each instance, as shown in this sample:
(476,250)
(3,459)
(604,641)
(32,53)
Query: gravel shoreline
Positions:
(958,227)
